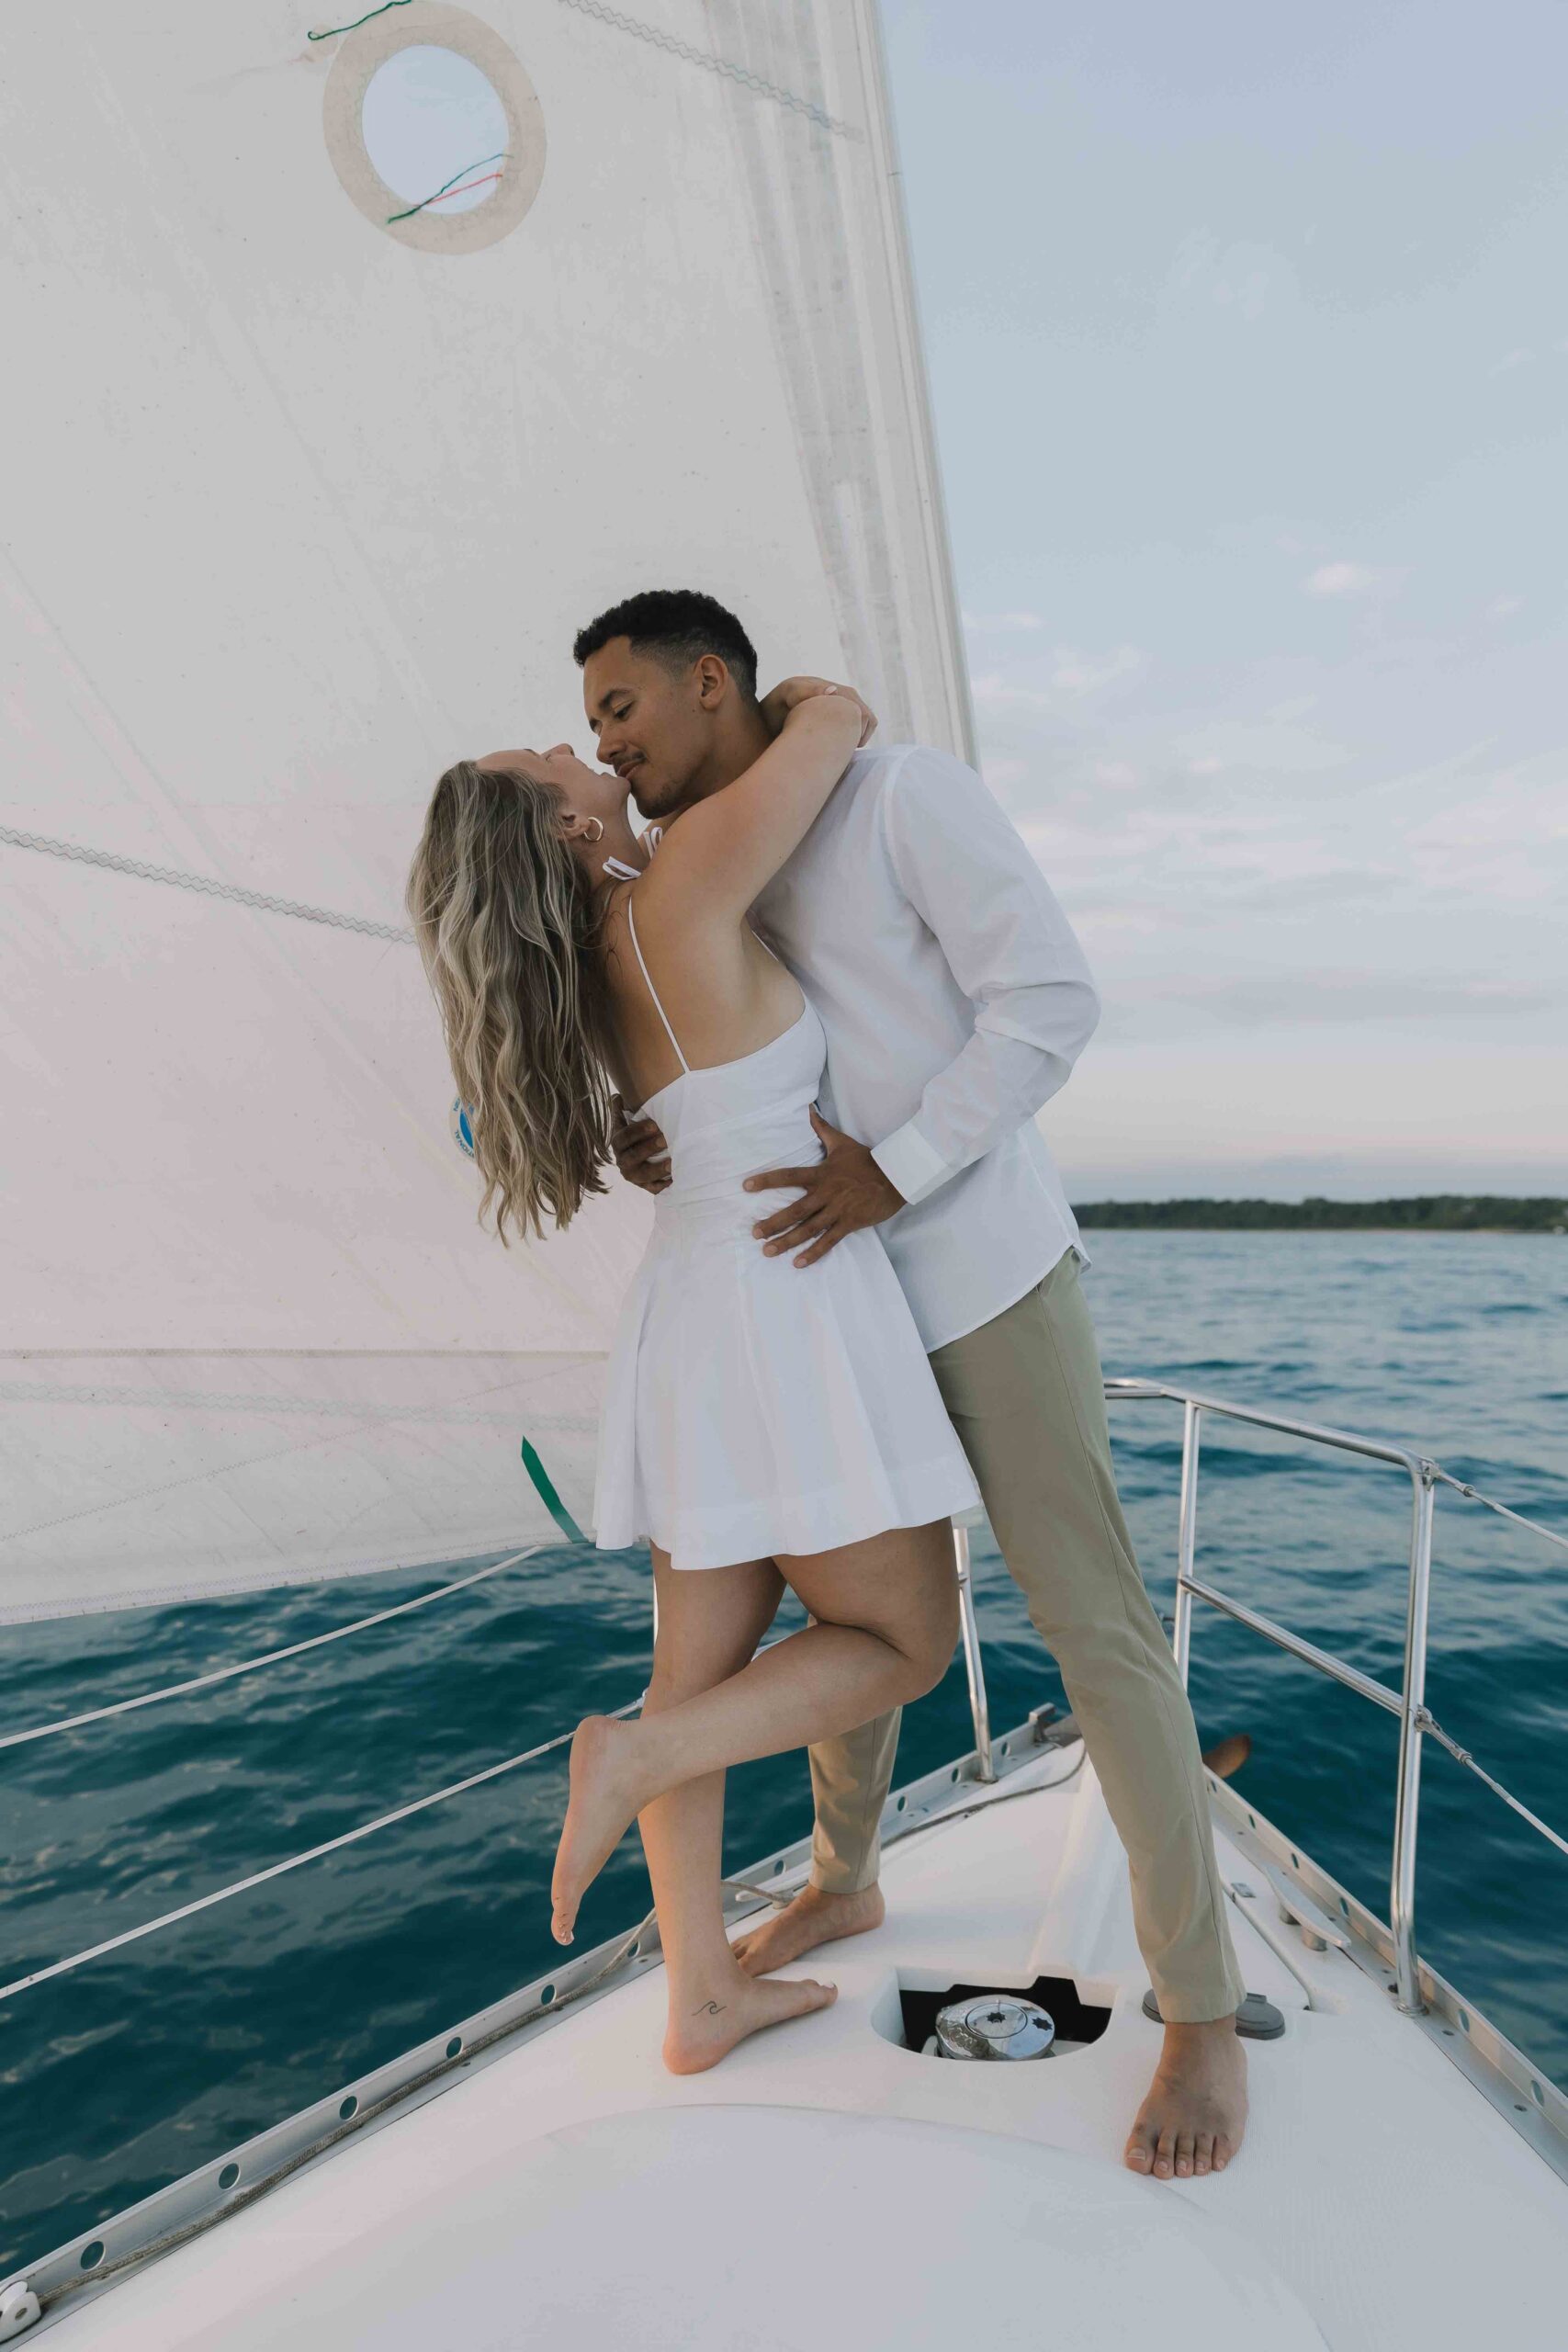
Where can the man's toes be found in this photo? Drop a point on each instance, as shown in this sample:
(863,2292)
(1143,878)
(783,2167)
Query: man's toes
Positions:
(1223,2151)
(1137,2155)
(1203,2153)
(1184,2150)
(1165,2154)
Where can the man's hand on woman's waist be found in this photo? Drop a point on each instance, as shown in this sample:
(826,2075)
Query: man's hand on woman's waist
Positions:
(842,1191)
(642,1156)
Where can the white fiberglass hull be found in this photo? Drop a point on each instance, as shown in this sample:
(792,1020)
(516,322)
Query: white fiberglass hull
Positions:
(828,2186)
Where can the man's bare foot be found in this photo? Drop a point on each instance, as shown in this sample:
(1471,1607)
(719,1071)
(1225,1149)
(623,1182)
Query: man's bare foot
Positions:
(605,1800)
(814,1917)
(709,2029)
(1195,2114)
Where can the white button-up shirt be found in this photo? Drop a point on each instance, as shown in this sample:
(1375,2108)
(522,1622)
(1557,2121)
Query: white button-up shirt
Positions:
(956,1000)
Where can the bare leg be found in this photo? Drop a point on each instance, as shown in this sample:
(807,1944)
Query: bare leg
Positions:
(709,1624)
(886,1617)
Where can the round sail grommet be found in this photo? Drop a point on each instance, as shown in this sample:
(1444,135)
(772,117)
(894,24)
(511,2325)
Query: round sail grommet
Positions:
(434,127)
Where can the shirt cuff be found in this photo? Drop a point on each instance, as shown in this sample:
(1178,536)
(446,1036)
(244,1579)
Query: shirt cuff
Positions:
(909,1164)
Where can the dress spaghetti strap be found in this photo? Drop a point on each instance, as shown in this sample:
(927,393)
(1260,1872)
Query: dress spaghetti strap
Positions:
(653,992)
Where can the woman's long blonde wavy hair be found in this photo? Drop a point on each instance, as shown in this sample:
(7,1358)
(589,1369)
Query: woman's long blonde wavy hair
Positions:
(504,914)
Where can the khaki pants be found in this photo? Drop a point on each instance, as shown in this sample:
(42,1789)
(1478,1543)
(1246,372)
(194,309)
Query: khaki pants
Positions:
(1025,1395)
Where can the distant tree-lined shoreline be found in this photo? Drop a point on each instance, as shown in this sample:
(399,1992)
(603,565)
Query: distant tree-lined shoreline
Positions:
(1427,1212)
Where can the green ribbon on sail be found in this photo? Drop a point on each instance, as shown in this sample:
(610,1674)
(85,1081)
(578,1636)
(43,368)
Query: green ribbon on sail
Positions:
(544,1488)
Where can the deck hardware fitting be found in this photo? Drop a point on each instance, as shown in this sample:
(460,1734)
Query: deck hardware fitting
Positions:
(18,2308)
(974,1665)
(1312,1923)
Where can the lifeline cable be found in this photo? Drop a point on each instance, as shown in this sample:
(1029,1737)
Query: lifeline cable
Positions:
(269,1658)
(294,1861)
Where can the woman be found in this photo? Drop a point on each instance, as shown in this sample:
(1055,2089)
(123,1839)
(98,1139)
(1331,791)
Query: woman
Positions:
(762,1425)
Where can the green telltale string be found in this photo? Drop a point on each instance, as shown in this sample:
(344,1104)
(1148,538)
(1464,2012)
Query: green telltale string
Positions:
(545,1489)
(450,187)
(333,30)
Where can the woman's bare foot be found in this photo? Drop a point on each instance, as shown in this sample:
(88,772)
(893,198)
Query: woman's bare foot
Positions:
(814,1917)
(1195,2114)
(605,1800)
(708,2029)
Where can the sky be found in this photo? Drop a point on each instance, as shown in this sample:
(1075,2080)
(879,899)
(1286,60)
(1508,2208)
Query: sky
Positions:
(1248,332)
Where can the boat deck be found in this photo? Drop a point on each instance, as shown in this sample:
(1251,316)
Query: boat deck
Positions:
(828,2186)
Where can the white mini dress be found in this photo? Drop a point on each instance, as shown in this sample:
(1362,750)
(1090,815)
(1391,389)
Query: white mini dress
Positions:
(754,1407)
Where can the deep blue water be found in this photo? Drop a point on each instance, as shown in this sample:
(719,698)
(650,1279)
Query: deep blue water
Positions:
(137,2067)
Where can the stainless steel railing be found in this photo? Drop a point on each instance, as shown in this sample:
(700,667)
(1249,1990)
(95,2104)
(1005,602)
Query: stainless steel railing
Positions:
(974,1664)
(1417,1720)
(1408,1703)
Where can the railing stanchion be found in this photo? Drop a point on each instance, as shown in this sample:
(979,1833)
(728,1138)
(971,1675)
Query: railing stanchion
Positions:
(1187,1537)
(1408,1794)
(979,1706)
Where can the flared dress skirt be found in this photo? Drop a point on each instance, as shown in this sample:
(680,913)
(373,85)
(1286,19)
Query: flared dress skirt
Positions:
(754,1408)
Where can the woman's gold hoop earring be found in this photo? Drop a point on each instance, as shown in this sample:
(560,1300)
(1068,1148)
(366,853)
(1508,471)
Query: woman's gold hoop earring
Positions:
(598,825)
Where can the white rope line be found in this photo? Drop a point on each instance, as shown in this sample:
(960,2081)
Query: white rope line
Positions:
(781,1900)
(712,65)
(268,1658)
(1474,1495)
(205,885)
(295,1862)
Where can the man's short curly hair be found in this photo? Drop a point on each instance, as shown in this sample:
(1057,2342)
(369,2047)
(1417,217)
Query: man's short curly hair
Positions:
(678,626)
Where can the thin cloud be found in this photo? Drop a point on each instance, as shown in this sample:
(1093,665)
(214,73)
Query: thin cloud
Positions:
(1259,1000)
(1073,672)
(1341,580)
(991,691)
(1070,675)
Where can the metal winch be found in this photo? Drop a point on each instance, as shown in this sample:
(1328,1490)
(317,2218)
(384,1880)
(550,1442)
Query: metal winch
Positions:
(993,2025)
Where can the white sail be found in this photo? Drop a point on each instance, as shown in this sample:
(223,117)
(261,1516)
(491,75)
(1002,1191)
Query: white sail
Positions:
(303,500)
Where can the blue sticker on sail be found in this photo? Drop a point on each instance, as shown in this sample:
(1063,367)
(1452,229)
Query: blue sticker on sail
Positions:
(463,1128)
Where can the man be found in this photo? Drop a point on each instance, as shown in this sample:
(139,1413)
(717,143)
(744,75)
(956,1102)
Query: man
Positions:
(955,1000)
